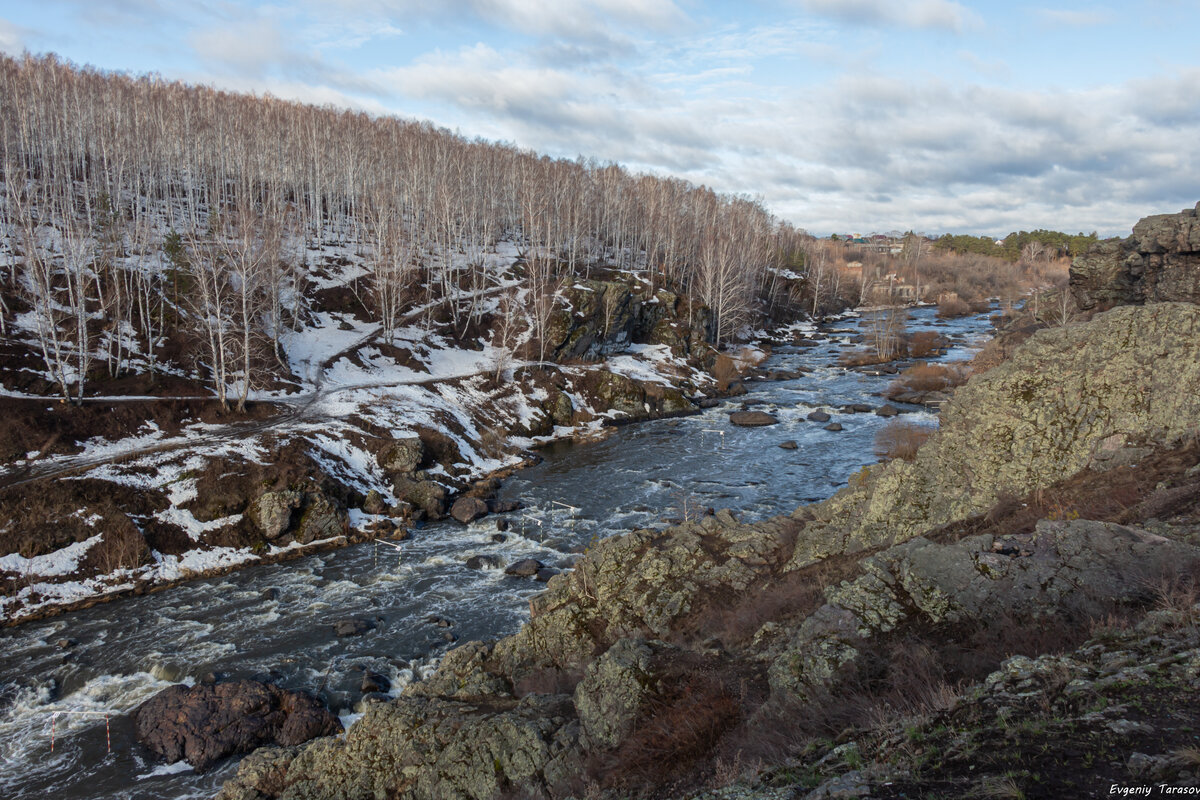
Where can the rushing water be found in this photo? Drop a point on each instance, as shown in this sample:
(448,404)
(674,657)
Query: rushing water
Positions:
(276,621)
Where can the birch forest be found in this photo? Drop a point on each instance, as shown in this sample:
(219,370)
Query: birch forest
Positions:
(138,211)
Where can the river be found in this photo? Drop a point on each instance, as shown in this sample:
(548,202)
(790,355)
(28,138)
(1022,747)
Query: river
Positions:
(275,622)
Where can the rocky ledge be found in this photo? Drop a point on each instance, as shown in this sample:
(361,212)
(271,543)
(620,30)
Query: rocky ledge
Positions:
(1159,262)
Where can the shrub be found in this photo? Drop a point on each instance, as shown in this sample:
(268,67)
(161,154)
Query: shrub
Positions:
(901,439)
(953,308)
(926,378)
(923,344)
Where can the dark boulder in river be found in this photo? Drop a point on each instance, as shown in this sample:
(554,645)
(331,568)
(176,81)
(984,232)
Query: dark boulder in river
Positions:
(203,724)
(526,568)
(484,562)
(352,627)
(468,509)
(752,419)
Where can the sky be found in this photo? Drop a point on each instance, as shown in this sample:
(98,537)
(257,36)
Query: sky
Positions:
(839,115)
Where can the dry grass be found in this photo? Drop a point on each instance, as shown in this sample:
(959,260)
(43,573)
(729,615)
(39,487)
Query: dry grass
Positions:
(927,378)
(901,439)
(1001,787)
(680,727)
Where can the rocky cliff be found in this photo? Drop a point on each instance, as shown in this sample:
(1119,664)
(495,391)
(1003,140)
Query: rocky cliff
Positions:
(1159,262)
(1063,488)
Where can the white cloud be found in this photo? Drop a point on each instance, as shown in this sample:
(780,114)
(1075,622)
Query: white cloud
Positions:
(866,151)
(1075,19)
(11,38)
(990,68)
(253,47)
(928,14)
(577,20)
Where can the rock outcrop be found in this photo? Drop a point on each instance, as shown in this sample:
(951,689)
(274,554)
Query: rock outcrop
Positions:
(606,316)
(205,723)
(1088,394)
(1078,569)
(1160,262)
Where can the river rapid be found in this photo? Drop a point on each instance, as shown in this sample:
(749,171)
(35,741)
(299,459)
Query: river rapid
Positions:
(275,622)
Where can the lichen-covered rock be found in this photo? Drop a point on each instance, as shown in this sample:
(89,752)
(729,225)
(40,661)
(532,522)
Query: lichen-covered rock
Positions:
(374,503)
(619,393)
(612,691)
(402,457)
(418,747)
(427,495)
(1070,397)
(464,673)
(646,583)
(272,512)
(322,518)
(1079,567)
(1160,262)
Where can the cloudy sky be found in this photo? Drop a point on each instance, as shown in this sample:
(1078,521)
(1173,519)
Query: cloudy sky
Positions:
(842,115)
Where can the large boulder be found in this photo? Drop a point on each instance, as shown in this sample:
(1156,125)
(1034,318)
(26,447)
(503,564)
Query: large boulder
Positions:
(426,495)
(205,723)
(322,518)
(468,509)
(272,512)
(612,692)
(402,457)
(525,568)
(752,419)
(424,747)
(1160,262)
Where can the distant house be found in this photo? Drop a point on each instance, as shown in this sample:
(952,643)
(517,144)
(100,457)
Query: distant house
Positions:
(891,289)
(851,270)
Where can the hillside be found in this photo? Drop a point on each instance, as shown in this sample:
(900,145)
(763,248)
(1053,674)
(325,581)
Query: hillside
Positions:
(899,637)
(234,329)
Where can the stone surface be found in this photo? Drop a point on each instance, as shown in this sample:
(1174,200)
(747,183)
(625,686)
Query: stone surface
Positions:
(352,627)
(1160,262)
(484,562)
(818,416)
(402,457)
(525,568)
(468,509)
(205,723)
(752,419)
(612,691)
(1080,567)
(272,512)
(320,518)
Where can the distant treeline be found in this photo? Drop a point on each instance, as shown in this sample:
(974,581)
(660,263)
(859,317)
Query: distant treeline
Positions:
(1031,245)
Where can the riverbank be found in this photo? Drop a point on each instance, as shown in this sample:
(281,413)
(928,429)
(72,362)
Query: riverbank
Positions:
(369,435)
(276,623)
